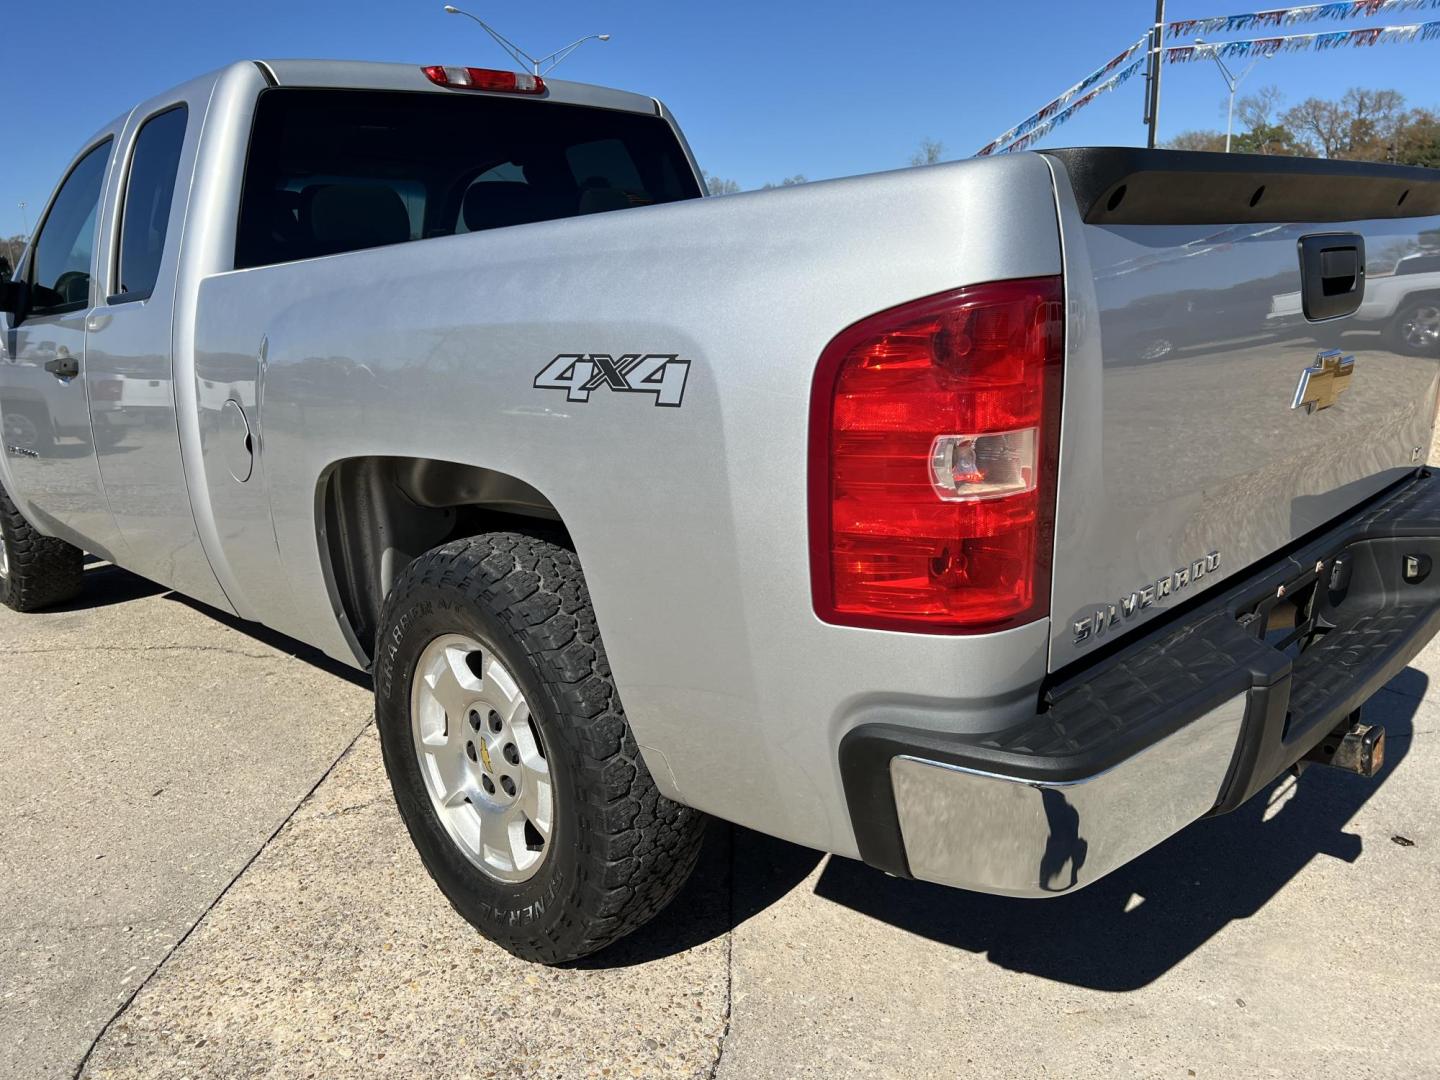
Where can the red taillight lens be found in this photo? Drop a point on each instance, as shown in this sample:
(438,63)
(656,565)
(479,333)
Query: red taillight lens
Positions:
(934,433)
(468,78)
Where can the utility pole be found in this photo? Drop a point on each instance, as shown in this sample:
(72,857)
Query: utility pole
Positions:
(1152,73)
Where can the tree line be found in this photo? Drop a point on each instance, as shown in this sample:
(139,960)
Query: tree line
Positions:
(1361,125)
(929,152)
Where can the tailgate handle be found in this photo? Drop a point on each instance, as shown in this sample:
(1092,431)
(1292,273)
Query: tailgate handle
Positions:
(1332,274)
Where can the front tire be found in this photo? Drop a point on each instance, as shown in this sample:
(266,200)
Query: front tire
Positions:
(35,571)
(511,760)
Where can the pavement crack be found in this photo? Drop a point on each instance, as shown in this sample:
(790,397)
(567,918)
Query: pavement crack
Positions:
(354,808)
(724,1039)
(155,970)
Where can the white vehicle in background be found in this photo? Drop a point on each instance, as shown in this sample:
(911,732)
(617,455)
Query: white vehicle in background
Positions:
(1404,305)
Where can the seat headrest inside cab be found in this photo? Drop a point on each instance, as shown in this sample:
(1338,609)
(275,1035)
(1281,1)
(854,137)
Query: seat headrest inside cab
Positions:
(497,203)
(345,217)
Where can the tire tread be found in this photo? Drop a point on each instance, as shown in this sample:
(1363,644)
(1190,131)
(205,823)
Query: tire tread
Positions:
(637,848)
(44,571)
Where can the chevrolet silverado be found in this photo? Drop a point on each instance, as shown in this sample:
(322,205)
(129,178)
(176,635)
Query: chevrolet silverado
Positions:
(978,521)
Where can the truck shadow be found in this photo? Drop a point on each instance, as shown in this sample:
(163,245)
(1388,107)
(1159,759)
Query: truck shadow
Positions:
(1119,934)
(105,585)
(1131,927)
(1123,932)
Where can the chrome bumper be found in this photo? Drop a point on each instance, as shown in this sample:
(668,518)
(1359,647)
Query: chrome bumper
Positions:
(1017,837)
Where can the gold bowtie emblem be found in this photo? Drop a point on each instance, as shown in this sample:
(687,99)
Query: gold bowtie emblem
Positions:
(484,755)
(1322,383)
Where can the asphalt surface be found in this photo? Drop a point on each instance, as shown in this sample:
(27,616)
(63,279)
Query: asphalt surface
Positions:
(202,875)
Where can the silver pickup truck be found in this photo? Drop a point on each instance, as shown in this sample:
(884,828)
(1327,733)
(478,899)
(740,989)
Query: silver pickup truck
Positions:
(976,521)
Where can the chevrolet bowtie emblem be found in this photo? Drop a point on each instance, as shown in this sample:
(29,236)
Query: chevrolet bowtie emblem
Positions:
(1322,383)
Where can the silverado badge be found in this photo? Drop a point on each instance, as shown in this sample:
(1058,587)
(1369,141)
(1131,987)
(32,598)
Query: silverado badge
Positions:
(1322,383)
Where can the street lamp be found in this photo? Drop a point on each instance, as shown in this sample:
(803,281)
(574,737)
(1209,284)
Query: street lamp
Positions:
(519,55)
(1232,82)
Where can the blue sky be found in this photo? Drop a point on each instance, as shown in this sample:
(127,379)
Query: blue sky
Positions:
(763,90)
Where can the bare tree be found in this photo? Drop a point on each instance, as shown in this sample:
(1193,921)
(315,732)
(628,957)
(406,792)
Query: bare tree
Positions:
(789,181)
(1258,109)
(1376,116)
(11,248)
(929,152)
(1324,125)
(716,186)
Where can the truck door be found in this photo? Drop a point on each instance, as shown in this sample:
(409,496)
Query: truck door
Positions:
(128,353)
(43,401)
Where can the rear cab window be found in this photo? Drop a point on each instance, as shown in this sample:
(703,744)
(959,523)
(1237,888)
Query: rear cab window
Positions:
(149,192)
(331,171)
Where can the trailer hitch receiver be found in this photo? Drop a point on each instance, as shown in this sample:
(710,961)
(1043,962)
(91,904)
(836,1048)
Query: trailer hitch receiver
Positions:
(1353,746)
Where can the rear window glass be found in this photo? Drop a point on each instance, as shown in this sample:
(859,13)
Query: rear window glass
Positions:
(339,170)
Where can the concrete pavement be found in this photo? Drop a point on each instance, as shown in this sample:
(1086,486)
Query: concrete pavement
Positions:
(1293,938)
(150,751)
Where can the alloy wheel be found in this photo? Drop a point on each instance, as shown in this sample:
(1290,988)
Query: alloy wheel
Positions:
(480,752)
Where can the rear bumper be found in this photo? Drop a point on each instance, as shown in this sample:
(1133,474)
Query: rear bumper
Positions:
(1193,717)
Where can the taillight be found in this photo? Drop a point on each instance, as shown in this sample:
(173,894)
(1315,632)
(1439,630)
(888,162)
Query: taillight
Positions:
(468,78)
(934,435)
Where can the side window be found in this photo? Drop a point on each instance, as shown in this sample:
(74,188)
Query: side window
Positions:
(60,269)
(148,194)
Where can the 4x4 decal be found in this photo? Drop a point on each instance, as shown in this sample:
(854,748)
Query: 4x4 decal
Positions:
(661,374)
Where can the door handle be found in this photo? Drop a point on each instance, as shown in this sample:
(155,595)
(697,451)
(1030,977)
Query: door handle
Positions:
(63,367)
(1332,274)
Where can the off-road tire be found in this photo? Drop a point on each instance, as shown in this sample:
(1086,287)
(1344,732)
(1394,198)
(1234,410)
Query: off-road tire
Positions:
(42,571)
(620,851)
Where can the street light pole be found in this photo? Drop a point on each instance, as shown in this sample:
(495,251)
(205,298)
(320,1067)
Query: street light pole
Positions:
(519,55)
(1232,83)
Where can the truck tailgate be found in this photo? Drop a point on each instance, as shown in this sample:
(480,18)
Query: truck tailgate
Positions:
(1185,456)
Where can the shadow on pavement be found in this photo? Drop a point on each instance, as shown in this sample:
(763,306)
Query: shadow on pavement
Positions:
(278,641)
(1102,937)
(1190,887)
(714,900)
(105,585)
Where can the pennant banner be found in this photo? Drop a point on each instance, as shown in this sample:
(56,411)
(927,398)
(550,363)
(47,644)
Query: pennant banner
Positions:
(1373,35)
(1294,16)
(1034,120)
(1044,127)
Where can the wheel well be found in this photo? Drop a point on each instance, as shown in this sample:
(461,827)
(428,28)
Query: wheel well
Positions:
(378,514)
(1420,296)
